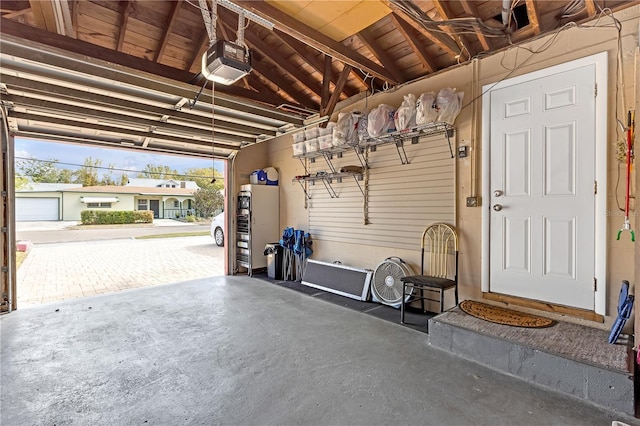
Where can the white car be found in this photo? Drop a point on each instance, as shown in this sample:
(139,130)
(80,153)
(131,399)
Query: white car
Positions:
(217,229)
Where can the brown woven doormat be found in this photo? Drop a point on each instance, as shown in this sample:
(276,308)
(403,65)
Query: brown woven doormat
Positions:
(504,316)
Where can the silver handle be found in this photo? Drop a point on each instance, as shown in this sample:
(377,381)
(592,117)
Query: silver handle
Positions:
(498,193)
(497,207)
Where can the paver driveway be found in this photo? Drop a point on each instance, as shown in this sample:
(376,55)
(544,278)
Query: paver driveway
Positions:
(75,269)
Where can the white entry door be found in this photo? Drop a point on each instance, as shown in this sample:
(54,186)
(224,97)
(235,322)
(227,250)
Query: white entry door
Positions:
(542,188)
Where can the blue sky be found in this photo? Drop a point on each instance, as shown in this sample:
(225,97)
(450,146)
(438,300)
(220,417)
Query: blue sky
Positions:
(120,159)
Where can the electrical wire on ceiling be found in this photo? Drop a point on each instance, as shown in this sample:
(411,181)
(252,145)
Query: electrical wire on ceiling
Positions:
(108,168)
(459,26)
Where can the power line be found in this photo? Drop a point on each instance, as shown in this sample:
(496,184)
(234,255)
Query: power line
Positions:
(109,168)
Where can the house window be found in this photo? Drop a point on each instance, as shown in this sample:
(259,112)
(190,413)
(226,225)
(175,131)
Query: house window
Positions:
(176,203)
(142,205)
(99,205)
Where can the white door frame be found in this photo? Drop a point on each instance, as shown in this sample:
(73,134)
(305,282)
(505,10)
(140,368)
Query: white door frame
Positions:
(600,62)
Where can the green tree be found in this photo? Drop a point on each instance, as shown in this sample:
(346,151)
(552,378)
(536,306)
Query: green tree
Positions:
(107,177)
(88,174)
(204,176)
(154,171)
(21,182)
(208,201)
(40,171)
(124,179)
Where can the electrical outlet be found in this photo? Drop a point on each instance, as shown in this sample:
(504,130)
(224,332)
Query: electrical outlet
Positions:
(462,151)
(472,201)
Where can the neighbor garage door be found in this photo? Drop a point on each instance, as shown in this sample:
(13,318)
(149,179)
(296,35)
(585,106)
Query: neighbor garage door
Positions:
(32,209)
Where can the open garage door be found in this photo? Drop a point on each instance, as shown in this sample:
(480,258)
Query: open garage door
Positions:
(36,209)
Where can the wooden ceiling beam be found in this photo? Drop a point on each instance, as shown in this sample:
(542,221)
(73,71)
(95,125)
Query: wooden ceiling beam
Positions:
(442,40)
(407,32)
(471,10)
(259,86)
(168,27)
(268,52)
(203,44)
(127,7)
(367,39)
(335,96)
(326,87)
(309,57)
(26,32)
(462,40)
(284,85)
(315,38)
(534,16)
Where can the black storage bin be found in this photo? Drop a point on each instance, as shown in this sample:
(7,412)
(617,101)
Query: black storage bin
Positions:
(274,253)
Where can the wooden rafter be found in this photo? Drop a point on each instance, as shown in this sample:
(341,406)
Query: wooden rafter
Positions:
(367,39)
(418,49)
(309,57)
(315,38)
(326,80)
(268,52)
(534,16)
(265,90)
(471,10)
(283,84)
(80,47)
(197,57)
(335,96)
(462,40)
(128,6)
(168,27)
(442,40)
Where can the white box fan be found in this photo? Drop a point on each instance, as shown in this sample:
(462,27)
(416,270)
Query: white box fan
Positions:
(386,287)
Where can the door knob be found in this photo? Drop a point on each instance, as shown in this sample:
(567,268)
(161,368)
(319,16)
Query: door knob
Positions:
(497,193)
(497,207)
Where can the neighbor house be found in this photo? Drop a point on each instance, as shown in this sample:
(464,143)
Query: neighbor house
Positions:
(67,203)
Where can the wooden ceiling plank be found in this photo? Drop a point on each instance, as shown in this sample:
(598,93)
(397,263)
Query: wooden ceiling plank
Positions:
(16,14)
(534,16)
(175,8)
(326,80)
(43,15)
(471,10)
(315,38)
(203,43)
(309,57)
(127,6)
(367,39)
(335,96)
(444,41)
(26,32)
(444,11)
(268,52)
(263,88)
(406,30)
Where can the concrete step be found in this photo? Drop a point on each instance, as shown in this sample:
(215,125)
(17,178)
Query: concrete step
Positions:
(569,358)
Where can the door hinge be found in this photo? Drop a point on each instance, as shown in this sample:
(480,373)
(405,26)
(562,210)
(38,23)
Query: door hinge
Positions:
(595,90)
(595,187)
(595,284)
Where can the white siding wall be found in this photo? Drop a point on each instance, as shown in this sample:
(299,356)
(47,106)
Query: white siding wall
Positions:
(403,198)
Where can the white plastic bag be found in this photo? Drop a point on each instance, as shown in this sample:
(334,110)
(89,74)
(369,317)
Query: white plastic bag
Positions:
(344,130)
(361,130)
(405,116)
(449,104)
(426,111)
(381,121)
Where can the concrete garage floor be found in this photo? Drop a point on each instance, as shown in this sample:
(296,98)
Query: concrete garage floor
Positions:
(238,351)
